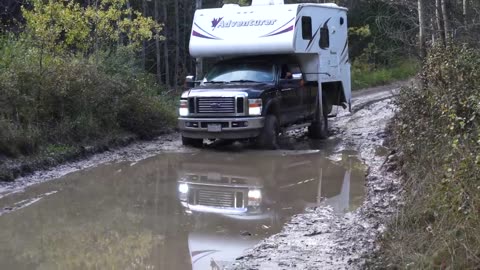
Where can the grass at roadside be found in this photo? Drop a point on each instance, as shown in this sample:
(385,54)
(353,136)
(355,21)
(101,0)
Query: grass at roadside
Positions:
(53,106)
(437,133)
(364,76)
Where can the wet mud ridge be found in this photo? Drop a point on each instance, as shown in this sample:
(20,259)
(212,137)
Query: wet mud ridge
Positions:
(320,239)
(134,152)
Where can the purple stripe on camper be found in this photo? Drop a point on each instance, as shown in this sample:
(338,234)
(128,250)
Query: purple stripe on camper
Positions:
(268,34)
(198,26)
(196,34)
(281,32)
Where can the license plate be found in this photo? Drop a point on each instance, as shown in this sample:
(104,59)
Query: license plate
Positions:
(214,127)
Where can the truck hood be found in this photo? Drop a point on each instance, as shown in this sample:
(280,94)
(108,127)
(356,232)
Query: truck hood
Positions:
(253,90)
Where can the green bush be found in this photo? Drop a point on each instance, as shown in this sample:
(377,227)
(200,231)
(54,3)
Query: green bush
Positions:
(366,75)
(437,130)
(15,141)
(146,117)
(47,99)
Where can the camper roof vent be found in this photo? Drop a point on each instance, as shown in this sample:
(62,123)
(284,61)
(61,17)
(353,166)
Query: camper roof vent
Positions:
(230,6)
(266,2)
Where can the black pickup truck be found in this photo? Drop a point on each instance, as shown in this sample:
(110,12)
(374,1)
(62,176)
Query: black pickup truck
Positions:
(255,98)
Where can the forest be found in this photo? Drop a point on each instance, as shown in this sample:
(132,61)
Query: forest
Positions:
(379,36)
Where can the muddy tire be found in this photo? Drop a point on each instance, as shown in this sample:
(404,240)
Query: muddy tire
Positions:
(319,129)
(268,138)
(192,142)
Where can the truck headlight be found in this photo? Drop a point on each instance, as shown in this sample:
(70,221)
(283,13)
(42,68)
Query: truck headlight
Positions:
(254,197)
(255,106)
(183,188)
(183,109)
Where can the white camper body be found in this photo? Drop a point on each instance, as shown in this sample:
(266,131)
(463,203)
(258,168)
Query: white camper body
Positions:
(314,33)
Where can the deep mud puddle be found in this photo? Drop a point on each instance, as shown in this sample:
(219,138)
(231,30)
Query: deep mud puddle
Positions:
(173,211)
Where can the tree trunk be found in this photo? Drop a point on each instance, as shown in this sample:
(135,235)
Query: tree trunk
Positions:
(186,14)
(191,62)
(95,35)
(165,44)
(434,30)
(157,46)
(465,22)
(199,61)
(438,18)
(421,33)
(144,43)
(177,45)
(129,6)
(446,23)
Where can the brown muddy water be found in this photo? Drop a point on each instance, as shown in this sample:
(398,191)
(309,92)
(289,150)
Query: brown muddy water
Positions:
(196,210)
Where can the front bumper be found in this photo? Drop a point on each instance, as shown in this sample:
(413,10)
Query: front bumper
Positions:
(232,128)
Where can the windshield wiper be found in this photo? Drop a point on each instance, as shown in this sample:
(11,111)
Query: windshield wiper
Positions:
(242,81)
(215,82)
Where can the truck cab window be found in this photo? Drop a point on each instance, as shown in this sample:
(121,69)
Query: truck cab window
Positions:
(288,70)
(285,73)
(306,28)
(324,38)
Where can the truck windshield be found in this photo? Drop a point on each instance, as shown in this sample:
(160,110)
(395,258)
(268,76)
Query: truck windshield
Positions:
(240,72)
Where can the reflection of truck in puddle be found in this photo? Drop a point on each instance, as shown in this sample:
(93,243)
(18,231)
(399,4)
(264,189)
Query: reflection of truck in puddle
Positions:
(231,196)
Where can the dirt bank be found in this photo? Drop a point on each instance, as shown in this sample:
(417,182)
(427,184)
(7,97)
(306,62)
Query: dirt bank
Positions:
(133,152)
(319,239)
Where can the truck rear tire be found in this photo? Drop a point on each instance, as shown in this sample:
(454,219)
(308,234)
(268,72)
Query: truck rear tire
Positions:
(192,142)
(268,138)
(319,129)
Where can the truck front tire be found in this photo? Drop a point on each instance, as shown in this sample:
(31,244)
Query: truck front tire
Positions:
(192,142)
(268,138)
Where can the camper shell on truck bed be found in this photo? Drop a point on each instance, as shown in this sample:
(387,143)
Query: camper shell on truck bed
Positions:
(305,47)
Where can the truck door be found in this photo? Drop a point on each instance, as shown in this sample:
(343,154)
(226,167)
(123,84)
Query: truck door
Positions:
(291,95)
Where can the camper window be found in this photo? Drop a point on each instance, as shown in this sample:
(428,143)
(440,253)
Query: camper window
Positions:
(324,38)
(306,28)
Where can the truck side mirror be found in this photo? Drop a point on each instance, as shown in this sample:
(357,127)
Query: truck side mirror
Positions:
(189,81)
(296,76)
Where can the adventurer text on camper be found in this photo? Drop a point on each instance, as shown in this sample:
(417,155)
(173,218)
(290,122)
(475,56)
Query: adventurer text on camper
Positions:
(219,23)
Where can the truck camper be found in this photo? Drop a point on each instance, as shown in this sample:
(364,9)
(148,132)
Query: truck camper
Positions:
(281,66)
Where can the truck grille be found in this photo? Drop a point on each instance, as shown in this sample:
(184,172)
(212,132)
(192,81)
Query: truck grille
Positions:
(216,198)
(216,105)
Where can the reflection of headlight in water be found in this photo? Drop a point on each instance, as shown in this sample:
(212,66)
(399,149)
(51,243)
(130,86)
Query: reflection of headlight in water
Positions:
(254,194)
(254,197)
(183,188)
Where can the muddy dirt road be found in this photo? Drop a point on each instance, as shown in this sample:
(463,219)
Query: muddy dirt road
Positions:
(158,205)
